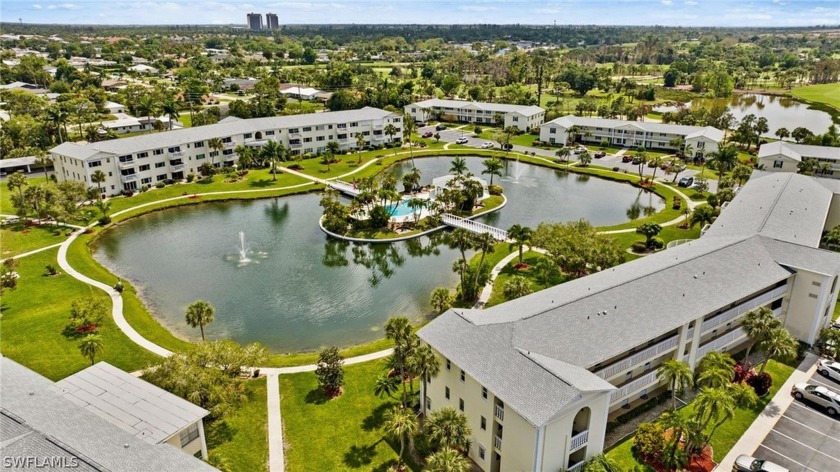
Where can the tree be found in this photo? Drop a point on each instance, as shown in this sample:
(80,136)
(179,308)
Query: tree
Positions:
(649,231)
(386,385)
(447,460)
(577,248)
(245,154)
(601,463)
(17,182)
(563,154)
(8,275)
(330,371)
(398,329)
(545,269)
(332,150)
(640,159)
(758,324)
(678,375)
(400,423)
(800,134)
(702,216)
(441,300)
(217,146)
(360,145)
(492,166)
(831,239)
(148,106)
(517,286)
(425,364)
(521,236)
(782,133)
(741,173)
(724,159)
(390,131)
(778,344)
(448,427)
(458,166)
(86,314)
(98,177)
(273,151)
(200,314)
(715,370)
(91,346)
(170,109)
(585,159)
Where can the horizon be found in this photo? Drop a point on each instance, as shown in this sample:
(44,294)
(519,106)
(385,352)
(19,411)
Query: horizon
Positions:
(617,13)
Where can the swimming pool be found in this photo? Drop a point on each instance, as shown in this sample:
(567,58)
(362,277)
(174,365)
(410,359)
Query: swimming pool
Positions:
(401,209)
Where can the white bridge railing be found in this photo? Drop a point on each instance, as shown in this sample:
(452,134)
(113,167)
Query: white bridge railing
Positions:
(474,226)
(344,187)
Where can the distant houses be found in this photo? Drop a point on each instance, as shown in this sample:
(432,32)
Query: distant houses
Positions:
(522,117)
(782,156)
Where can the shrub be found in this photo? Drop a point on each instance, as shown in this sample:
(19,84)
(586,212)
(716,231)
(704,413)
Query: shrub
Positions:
(169,181)
(128,193)
(379,217)
(119,287)
(615,169)
(639,246)
(649,441)
(335,225)
(761,383)
(604,143)
(104,220)
(478,130)
(743,373)
(517,286)
(86,314)
(495,189)
(656,243)
(52,270)
(160,185)
(330,371)
(190,177)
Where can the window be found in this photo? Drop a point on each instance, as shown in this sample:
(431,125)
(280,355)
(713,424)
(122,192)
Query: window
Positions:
(158,165)
(461,404)
(94,164)
(320,138)
(552,130)
(189,435)
(777,164)
(341,125)
(146,180)
(307,140)
(227,152)
(199,157)
(354,124)
(160,177)
(813,295)
(226,140)
(446,392)
(463,376)
(448,365)
(214,153)
(157,152)
(307,128)
(515,118)
(129,171)
(199,144)
(269,133)
(484,393)
(481,452)
(816,283)
(342,136)
(248,135)
(142,155)
(144,167)
(428,403)
(110,174)
(294,130)
(483,423)
(127,158)
(174,149)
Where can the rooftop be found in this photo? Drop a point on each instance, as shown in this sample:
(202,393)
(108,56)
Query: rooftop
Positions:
(689,131)
(798,151)
(527,110)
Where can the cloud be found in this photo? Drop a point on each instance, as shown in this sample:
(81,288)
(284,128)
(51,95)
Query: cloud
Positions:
(309,6)
(667,3)
(690,3)
(63,6)
(476,8)
(36,6)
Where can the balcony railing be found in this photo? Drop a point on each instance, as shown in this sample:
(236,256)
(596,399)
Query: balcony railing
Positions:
(577,467)
(633,387)
(230,145)
(178,154)
(578,441)
(500,412)
(639,357)
(295,145)
(125,164)
(743,308)
(177,166)
(497,442)
(721,342)
(128,178)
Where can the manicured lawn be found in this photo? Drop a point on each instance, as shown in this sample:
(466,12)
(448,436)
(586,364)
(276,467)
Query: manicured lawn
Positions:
(241,438)
(828,94)
(6,207)
(19,238)
(727,435)
(530,258)
(306,358)
(340,434)
(34,318)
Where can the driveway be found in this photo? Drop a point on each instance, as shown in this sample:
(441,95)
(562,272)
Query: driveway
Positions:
(805,439)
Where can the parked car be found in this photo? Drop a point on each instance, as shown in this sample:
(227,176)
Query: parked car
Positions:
(745,463)
(818,395)
(428,134)
(600,154)
(420,124)
(440,128)
(686,182)
(461,140)
(829,368)
(487,145)
(11,221)
(626,158)
(579,150)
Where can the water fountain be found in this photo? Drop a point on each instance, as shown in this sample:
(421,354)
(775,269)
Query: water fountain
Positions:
(517,170)
(243,250)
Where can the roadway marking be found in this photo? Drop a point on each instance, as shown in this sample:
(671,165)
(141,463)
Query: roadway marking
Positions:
(786,457)
(812,429)
(807,446)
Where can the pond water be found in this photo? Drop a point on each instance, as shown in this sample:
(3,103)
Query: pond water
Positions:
(301,290)
(780,111)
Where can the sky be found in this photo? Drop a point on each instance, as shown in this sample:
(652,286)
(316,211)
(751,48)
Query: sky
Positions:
(564,12)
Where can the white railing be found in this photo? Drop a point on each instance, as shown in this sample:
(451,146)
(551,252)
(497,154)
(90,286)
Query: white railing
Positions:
(125,164)
(578,441)
(633,386)
(344,187)
(639,357)
(704,229)
(128,178)
(677,242)
(497,442)
(177,166)
(742,309)
(722,342)
(474,226)
(500,412)
(577,467)
(177,153)
(230,145)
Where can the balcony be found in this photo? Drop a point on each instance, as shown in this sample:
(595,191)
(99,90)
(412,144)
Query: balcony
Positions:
(295,145)
(177,154)
(230,145)
(497,442)
(295,135)
(576,467)
(128,178)
(126,164)
(500,412)
(578,441)
(639,357)
(176,165)
(742,309)
(633,387)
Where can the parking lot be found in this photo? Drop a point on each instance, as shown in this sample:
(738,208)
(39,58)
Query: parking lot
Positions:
(805,438)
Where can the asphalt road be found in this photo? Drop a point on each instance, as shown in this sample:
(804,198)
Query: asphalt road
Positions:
(805,439)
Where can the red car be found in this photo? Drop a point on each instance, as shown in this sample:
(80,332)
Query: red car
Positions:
(600,154)
(626,158)
(428,134)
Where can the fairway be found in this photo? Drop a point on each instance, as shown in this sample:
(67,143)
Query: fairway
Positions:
(828,94)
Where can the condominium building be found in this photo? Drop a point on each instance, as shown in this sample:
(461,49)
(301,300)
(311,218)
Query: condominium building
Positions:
(98,419)
(523,117)
(633,134)
(254,21)
(144,160)
(539,377)
(271,21)
(782,156)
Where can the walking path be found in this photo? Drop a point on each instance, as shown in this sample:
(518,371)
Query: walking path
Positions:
(761,427)
(276,458)
(494,272)
(36,251)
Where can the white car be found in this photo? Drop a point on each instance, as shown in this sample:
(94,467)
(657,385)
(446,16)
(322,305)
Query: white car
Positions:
(745,463)
(11,221)
(461,140)
(819,395)
(829,368)
(487,145)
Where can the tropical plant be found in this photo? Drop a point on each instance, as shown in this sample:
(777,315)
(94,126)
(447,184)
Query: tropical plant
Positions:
(386,385)
(391,131)
(217,146)
(441,299)
(200,314)
(360,145)
(678,375)
(330,371)
(517,286)
(448,427)
(425,364)
(273,151)
(741,173)
(702,215)
(715,370)
(545,269)
(98,177)
(18,181)
(758,324)
(521,236)
(585,158)
(492,166)
(563,154)
(458,166)
(778,344)
(170,109)
(398,329)
(86,314)
(782,133)
(447,460)
(400,423)
(601,463)
(649,231)
(91,346)
(724,159)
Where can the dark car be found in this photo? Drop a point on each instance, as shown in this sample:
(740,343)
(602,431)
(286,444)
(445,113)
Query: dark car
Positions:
(440,128)
(686,182)
(420,124)
(600,154)
(626,158)
(428,134)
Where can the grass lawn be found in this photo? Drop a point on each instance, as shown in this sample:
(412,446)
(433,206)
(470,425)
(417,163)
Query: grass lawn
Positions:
(6,207)
(19,238)
(726,436)
(34,318)
(530,258)
(340,434)
(241,438)
(828,94)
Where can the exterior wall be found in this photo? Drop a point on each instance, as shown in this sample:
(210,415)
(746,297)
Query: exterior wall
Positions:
(833,218)
(811,304)
(192,448)
(771,163)
(522,122)
(558,433)
(702,145)
(558,136)
(518,444)
(469,113)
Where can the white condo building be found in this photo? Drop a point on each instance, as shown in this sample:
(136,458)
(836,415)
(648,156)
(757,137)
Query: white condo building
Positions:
(632,134)
(782,156)
(523,117)
(131,163)
(539,377)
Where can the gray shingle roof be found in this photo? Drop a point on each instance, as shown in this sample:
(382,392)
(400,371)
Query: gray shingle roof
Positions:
(689,131)
(144,410)
(798,151)
(527,110)
(29,397)
(222,129)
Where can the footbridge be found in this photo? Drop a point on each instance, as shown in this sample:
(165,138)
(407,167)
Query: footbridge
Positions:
(474,226)
(344,187)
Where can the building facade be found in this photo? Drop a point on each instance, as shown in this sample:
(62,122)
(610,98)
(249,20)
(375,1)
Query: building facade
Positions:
(781,156)
(523,117)
(539,377)
(144,160)
(271,21)
(632,134)
(254,21)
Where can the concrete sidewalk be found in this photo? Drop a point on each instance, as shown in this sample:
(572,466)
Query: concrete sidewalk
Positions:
(761,427)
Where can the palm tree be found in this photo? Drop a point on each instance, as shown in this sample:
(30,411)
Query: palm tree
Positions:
(441,299)
(678,374)
(170,109)
(715,370)
(390,130)
(545,269)
(778,344)
(517,286)
(200,314)
(360,145)
(386,385)
(400,423)
(758,324)
(585,159)
(43,159)
(601,463)
(408,130)
(91,346)
(571,134)
(58,118)
(713,405)
(217,145)
(98,177)
(563,154)
(416,205)
(448,427)
(447,460)
(333,149)
(492,166)
(724,160)
(245,154)
(18,181)
(398,329)
(426,364)
(702,215)
(782,133)
(273,151)
(459,166)
(486,243)
(147,106)
(521,235)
